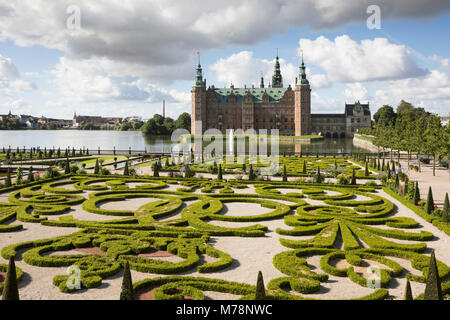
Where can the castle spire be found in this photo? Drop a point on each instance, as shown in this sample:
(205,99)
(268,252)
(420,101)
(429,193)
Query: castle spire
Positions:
(302,78)
(277,79)
(262,81)
(199,78)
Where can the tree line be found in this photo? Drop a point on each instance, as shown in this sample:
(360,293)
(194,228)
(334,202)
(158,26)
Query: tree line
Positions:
(158,125)
(410,129)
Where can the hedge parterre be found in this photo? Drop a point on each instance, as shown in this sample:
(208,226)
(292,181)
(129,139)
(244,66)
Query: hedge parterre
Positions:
(178,220)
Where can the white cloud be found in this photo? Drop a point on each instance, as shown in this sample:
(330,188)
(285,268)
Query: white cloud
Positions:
(10,79)
(158,39)
(356,92)
(346,60)
(243,68)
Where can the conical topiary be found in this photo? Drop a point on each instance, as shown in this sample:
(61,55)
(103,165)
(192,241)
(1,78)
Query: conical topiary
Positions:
(126,171)
(397,182)
(366,173)
(156,169)
(219,174)
(353,177)
(433,290)
(429,208)
(97,167)
(260,293)
(251,174)
(408,292)
(67,167)
(285,179)
(8,179)
(444,217)
(10,289)
(416,194)
(127,284)
(30,177)
(304,167)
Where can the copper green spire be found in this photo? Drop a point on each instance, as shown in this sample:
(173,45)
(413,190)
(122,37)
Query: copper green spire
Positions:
(199,79)
(277,79)
(302,79)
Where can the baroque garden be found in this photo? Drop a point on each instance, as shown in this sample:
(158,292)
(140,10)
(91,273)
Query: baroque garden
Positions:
(318,228)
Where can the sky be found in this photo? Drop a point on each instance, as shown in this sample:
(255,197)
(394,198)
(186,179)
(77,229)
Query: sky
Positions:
(123,58)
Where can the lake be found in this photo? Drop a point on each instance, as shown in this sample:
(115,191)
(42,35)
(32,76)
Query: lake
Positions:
(123,140)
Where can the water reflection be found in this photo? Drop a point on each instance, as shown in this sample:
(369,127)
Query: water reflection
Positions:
(108,140)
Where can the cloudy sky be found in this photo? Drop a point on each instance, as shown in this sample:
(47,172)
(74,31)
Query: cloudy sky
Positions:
(120,58)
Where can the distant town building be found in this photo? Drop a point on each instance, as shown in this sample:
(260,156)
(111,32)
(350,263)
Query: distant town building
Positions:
(95,120)
(445,121)
(273,107)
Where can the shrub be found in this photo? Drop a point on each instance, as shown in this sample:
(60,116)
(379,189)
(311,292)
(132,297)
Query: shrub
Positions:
(342,179)
(74,168)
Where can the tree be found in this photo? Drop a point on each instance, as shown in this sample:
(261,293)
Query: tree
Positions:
(285,179)
(408,292)
(433,138)
(260,293)
(385,116)
(433,290)
(183,121)
(430,202)
(10,289)
(445,209)
(127,284)
(126,171)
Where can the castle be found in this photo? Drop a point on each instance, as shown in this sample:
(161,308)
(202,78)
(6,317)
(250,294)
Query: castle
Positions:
(273,107)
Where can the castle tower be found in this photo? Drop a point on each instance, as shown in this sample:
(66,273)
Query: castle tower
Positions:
(302,104)
(198,93)
(277,79)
